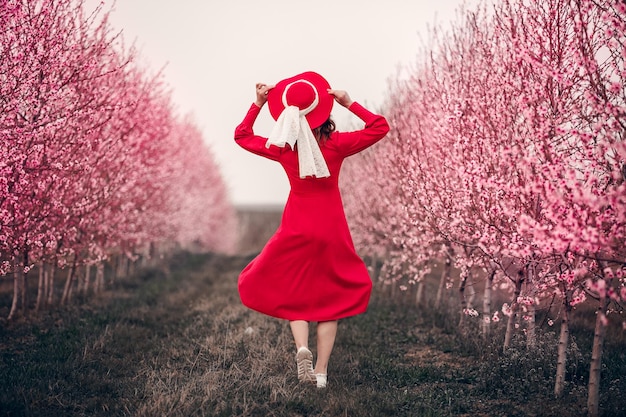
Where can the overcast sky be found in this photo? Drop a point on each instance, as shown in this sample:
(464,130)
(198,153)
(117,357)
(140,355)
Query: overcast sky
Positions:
(214,51)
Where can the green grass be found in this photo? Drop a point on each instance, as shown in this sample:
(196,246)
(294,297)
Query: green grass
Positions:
(179,343)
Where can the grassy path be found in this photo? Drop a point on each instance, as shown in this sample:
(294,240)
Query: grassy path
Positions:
(180,344)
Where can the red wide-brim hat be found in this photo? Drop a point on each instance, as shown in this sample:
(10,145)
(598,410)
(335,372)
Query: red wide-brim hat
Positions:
(301,92)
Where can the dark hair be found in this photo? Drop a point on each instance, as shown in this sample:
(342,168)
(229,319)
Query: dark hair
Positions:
(322,133)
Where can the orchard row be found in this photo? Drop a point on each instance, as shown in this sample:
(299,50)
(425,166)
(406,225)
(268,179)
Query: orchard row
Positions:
(507,159)
(94,159)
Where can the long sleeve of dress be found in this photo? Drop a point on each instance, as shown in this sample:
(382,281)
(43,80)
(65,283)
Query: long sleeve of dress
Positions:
(245,137)
(376,127)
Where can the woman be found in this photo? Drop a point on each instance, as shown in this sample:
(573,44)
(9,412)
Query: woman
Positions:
(309,270)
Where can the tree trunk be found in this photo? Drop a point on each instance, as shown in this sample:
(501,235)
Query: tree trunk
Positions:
(41,289)
(52,273)
(150,258)
(153,254)
(86,278)
(419,292)
(373,265)
(463,301)
(125,263)
(593,399)
(113,263)
(132,268)
(24,283)
(486,322)
(561,360)
(445,277)
(16,289)
(531,337)
(99,281)
(66,287)
(470,291)
(120,270)
(46,283)
(67,290)
(510,325)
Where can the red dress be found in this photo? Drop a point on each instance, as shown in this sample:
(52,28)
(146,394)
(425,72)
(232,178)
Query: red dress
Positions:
(309,269)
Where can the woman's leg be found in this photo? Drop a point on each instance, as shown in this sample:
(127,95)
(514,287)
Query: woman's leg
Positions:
(300,330)
(326,332)
(304,357)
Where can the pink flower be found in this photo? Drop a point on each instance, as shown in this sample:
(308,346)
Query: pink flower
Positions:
(506,310)
(527,301)
(615,87)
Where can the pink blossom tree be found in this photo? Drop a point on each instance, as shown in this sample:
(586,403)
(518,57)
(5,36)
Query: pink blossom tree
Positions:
(512,151)
(89,151)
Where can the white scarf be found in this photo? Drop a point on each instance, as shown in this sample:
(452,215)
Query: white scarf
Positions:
(291,127)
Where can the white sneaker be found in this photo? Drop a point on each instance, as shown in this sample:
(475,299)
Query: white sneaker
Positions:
(321,380)
(304,360)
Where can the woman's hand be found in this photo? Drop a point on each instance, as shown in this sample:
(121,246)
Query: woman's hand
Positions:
(261,93)
(341,97)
